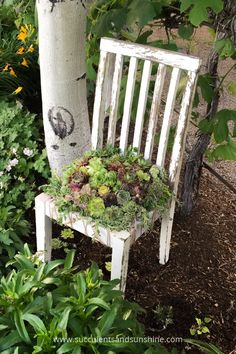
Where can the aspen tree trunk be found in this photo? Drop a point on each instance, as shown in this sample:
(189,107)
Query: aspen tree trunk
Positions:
(62,34)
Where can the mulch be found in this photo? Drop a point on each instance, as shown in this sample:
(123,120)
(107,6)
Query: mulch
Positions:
(200,278)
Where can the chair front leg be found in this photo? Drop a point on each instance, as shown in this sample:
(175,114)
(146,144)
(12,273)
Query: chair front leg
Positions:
(119,262)
(43,228)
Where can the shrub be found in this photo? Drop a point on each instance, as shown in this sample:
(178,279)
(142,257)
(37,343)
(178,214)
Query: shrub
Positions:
(21,162)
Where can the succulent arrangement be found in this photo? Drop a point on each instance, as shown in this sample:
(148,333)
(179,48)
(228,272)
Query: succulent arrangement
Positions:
(113,189)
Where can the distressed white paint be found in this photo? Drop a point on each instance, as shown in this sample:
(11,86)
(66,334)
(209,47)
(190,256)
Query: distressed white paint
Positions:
(175,165)
(147,68)
(120,242)
(145,52)
(62,31)
(109,79)
(154,111)
(170,103)
(120,259)
(129,93)
(43,227)
(114,99)
(99,103)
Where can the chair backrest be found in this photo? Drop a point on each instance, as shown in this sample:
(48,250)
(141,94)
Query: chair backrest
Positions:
(112,54)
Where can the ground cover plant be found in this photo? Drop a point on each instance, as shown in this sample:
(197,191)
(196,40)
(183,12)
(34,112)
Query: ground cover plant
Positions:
(44,306)
(43,303)
(114,189)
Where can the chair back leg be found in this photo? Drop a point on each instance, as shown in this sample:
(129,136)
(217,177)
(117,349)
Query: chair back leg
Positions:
(166,230)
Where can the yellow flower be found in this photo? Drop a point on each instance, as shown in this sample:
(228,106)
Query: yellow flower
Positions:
(20,50)
(18,90)
(24,63)
(6,68)
(12,72)
(31,49)
(24,30)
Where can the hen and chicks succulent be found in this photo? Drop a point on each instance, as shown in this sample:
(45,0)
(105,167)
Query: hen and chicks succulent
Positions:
(114,189)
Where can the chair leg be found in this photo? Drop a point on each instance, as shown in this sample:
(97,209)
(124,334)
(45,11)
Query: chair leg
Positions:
(119,262)
(43,229)
(165,236)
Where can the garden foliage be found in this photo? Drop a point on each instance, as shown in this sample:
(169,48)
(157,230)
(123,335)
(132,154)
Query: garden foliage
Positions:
(42,304)
(21,164)
(53,308)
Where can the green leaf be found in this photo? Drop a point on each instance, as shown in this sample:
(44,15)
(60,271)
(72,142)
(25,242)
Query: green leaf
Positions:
(3,327)
(38,275)
(35,322)
(66,347)
(82,287)
(10,340)
(64,318)
(192,331)
(142,39)
(206,126)
(24,262)
(231,87)
(199,9)
(18,319)
(221,130)
(206,85)
(52,265)
(115,18)
(224,152)
(69,259)
(224,47)
(143,11)
(208,348)
(185,31)
(107,320)
(207,319)
(205,329)
(99,302)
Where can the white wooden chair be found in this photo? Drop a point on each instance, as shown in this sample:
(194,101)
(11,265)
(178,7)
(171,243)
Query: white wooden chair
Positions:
(107,94)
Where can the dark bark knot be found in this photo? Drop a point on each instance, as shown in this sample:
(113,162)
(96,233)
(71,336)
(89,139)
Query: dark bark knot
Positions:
(81,77)
(62,121)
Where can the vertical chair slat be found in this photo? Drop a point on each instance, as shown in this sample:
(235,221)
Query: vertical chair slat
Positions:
(170,102)
(128,103)
(142,103)
(99,103)
(115,99)
(109,79)
(154,111)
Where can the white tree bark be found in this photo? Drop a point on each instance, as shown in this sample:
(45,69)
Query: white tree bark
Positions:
(62,33)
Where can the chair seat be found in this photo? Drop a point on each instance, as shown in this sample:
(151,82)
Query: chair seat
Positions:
(119,241)
(88,227)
